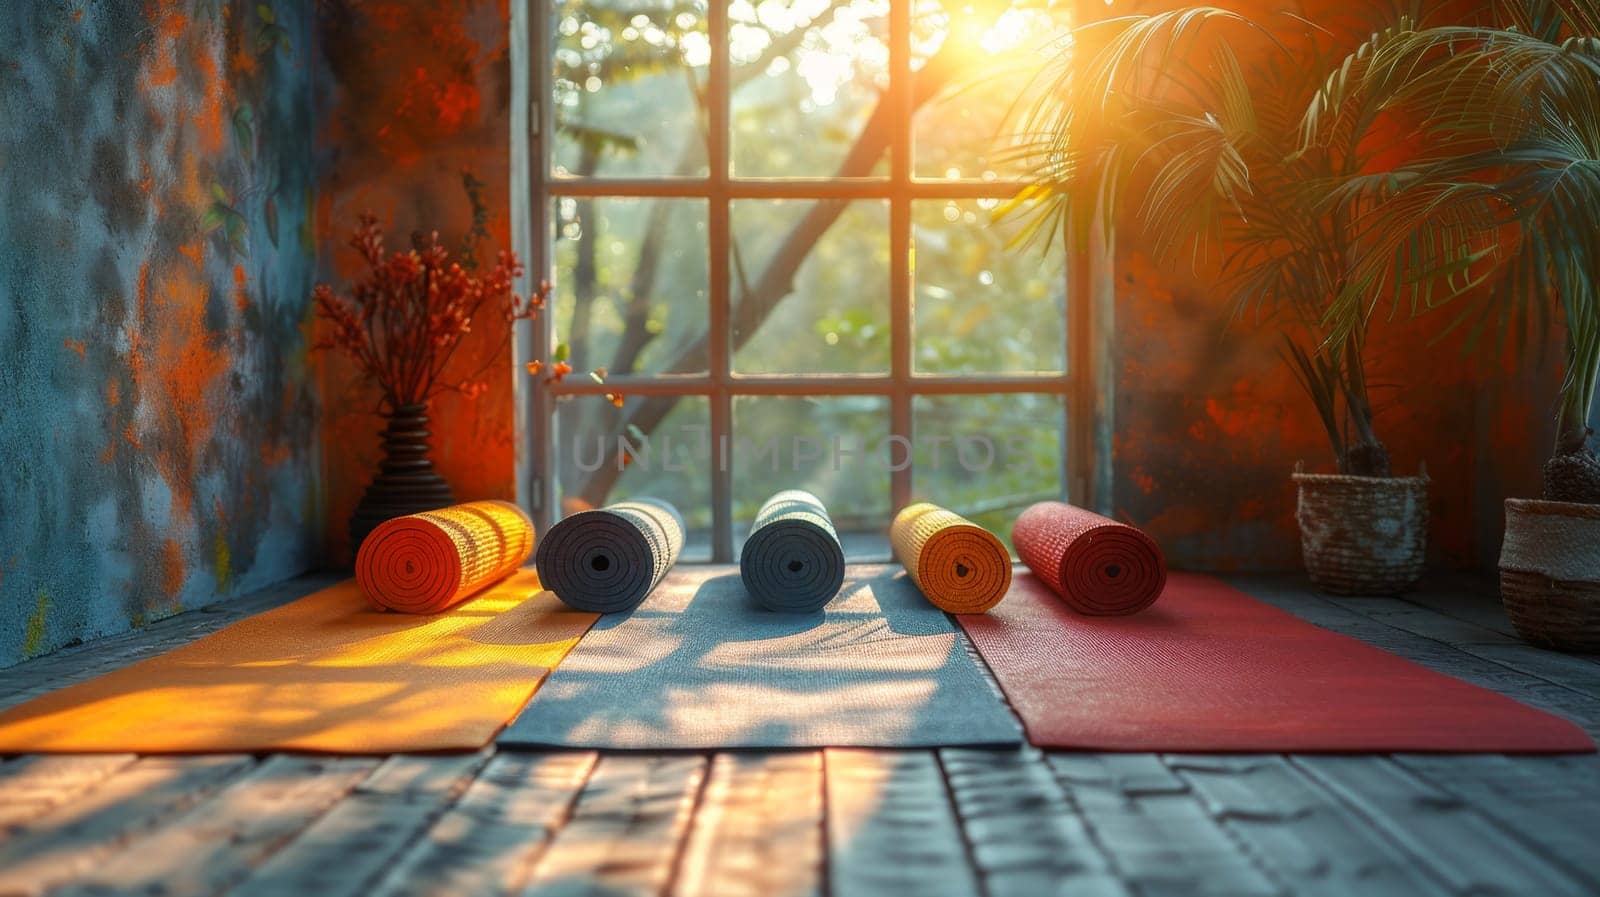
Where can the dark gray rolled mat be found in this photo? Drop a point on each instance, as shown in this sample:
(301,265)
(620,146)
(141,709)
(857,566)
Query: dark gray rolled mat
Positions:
(793,561)
(608,560)
(698,667)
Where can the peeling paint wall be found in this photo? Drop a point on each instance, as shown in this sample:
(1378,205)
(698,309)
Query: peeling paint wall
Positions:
(157,412)
(416,129)
(1210,424)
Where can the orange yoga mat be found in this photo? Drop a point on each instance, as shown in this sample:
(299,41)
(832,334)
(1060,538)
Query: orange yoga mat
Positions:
(959,566)
(424,563)
(326,673)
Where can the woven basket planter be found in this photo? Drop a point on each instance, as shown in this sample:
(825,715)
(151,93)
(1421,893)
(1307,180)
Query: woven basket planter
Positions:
(1363,535)
(1550,573)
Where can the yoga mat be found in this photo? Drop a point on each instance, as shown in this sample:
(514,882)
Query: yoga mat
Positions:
(1095,564)
(959,566)
(793,561)
(424,563)
(607,560)
(1210,669)
(326,673)
(694,667)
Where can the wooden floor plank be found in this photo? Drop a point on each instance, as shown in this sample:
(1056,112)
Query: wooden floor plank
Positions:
(1550,804)
(1314,846)
(1457,843)
(1473,598)
(1159,836)
(35,785)
(1027,838)
(217,842)
(626,829)
(758,831)
(74,838)
(891,826)
(1572,672)
(354,843)
(1574,705)
(486,842)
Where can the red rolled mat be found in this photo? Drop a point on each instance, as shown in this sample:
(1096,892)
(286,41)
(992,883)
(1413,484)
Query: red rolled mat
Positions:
(1210,669)
(1097,565)
(425,563)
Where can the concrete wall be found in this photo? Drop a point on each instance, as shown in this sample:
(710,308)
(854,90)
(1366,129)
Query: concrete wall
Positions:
(157,411)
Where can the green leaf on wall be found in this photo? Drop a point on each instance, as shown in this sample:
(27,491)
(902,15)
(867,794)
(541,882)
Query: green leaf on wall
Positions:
(272,36)
(271,215)
(244,130)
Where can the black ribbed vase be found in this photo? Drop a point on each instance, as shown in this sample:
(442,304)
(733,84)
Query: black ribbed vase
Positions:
(406,482)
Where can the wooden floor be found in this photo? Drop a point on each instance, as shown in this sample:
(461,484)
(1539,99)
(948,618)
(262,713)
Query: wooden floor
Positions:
(840,822)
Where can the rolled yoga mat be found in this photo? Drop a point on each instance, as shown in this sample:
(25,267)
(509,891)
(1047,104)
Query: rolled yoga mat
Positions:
(960,567)
(1097,565)
(608,560)
(793,561)
(424,563)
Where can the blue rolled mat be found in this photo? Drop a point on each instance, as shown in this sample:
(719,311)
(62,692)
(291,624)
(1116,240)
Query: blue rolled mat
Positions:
(793,561)
(608,560)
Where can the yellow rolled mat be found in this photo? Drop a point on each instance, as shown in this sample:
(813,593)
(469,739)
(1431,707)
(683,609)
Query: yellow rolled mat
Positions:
(960,567)
(326,673)
(424,563)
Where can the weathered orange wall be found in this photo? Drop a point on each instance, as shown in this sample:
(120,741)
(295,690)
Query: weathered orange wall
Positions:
(1210,423)
(415,101)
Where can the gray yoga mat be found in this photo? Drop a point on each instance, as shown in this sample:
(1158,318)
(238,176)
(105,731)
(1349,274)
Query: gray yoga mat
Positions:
(608,560)
(793,561)
(698,666)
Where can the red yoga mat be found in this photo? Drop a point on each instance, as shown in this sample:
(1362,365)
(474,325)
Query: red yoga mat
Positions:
(1210,669)
(1097,565)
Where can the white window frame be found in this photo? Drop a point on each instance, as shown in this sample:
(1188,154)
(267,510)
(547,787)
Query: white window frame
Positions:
(1085,468)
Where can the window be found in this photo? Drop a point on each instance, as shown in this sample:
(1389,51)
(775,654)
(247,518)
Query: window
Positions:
(771,224)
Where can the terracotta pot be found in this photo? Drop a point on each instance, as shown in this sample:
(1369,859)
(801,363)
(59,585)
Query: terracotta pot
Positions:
(1363,535)
(1550,573)
(406,481)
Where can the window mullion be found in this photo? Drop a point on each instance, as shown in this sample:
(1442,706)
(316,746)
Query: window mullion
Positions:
(721,401)
(536,470)
(900,257)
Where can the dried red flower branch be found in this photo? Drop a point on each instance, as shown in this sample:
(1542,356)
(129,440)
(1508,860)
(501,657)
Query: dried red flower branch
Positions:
(403,321)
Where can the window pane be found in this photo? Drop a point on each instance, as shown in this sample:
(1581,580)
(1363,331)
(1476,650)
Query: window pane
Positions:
(810,286)
(631,284)
(987,457)
(831,446)
(985,58)
(625,89)
(806,75)
(670,460)
(983,306)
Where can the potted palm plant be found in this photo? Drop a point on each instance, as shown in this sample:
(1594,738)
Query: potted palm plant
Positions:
(1156,116)
(1498,217)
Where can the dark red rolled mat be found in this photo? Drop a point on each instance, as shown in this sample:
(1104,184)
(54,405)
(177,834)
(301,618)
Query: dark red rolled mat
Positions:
(1097,565)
